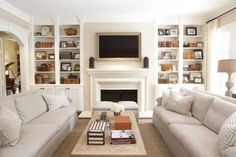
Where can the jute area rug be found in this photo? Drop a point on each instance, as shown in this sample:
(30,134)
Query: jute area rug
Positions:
(153,141)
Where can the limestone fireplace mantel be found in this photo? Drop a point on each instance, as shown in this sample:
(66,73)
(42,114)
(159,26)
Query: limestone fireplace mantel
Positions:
(119,79)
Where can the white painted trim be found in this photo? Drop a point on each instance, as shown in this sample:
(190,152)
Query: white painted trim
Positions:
(15,11)
(22,37)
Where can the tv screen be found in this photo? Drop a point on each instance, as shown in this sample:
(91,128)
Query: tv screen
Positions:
(119,46)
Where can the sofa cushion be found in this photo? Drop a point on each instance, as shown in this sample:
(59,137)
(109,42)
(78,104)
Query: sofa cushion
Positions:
(227,135)
(169,117)
(180,104)
(33,138)
(55,102)
(10,126)
(103,105)
(197,140)
(229,152)
(9,103)
(201,103)
(30,106)
(220,110)
(58,117)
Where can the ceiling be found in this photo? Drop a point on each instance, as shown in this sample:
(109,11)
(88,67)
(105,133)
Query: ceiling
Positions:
(110,7)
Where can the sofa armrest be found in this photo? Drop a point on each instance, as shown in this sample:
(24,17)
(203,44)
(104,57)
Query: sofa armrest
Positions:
(159,100)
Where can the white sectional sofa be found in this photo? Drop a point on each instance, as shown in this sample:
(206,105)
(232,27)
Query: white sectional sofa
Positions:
(196,136)
(41,131)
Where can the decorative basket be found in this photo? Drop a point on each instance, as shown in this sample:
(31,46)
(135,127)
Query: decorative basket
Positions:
(70,31)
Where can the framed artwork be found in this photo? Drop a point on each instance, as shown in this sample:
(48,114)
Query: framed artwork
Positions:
(186,78)
(66,67)
(165,55)
(173,78)
(65,55)
(174,32)
(194,74)
(39,55)
(191,31)
(198,80)
(198,54)
(161,32)
(45,30)
(76,56)
(51,56)
(167,31)
(63,44)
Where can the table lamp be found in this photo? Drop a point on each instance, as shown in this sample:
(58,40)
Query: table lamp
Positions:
(228,66)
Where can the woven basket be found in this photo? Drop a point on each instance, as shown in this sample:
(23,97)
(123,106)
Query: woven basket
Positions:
(70,31)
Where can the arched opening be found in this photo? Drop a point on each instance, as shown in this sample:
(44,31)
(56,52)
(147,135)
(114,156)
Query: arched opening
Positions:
(10,59)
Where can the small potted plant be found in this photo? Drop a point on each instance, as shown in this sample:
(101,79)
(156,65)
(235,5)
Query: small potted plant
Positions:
(117,109)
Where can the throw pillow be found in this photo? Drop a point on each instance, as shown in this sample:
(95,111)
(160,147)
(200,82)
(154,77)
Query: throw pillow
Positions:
(55,102)
(227,134)
(10,125)
(165,98)
(180,104)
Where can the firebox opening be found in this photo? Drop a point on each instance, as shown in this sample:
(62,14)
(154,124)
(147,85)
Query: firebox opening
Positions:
(119,95)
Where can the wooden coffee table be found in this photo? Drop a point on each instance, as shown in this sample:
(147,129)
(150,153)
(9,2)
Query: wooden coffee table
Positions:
(81,148)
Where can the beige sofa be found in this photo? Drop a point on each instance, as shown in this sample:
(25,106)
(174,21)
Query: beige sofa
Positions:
(41,131)
(196,136)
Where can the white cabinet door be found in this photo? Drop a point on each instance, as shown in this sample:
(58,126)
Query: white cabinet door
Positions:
(74,93)
(43,89)
(2,70)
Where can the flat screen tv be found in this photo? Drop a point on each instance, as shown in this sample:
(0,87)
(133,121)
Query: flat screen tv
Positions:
(119,46)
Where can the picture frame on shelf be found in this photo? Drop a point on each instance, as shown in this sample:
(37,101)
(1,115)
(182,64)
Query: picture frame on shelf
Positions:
(45,30)
(199,44)
(198,80)
(65,55)
(191,31)
(186,78)
(165,55)
(167,31)
(198,54)
(76,55)
(77,67)
(63,44)
(173,78)
(174,32)
(51,56)
(40,55)
(161,32)
(194,74)
(65,66)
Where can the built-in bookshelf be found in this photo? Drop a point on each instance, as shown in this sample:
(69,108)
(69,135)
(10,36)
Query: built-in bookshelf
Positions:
(181,55)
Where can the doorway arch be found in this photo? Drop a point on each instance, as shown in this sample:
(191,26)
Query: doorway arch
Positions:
(21,36)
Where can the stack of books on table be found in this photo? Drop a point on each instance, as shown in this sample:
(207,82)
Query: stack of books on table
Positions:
(96,133)
(122,137)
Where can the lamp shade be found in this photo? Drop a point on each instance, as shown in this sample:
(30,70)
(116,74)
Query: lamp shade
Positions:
(227,65)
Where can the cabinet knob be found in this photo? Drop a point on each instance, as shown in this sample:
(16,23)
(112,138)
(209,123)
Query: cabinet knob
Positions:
(67,88)
(169,88)
(41,88)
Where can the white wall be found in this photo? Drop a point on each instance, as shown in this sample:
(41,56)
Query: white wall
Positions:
(147,49)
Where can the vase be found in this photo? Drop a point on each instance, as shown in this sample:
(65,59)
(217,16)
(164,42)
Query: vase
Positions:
(117,113)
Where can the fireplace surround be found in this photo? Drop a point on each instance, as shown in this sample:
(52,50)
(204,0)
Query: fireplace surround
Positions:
(116,79)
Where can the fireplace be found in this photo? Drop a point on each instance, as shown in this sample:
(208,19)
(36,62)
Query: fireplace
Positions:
(119,95)
(125,82)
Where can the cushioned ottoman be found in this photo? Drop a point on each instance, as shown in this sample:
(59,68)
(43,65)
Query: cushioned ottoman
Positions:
(130,106)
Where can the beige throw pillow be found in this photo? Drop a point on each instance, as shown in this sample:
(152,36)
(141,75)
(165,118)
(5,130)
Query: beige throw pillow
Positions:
(10,126)
(180,104)
(55,102)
